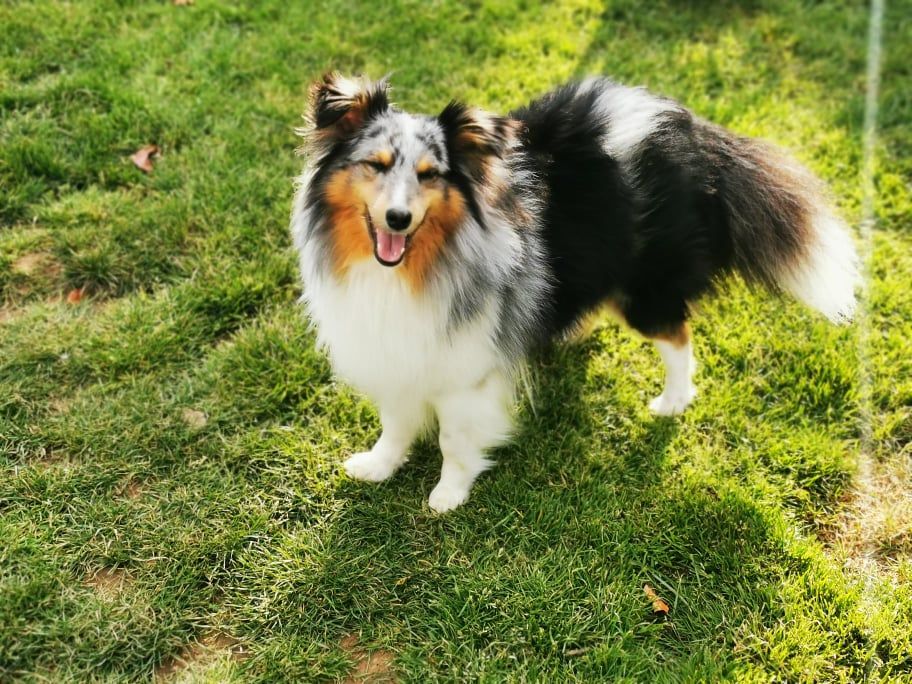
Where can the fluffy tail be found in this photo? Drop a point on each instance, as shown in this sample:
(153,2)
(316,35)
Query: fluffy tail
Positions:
(784,233)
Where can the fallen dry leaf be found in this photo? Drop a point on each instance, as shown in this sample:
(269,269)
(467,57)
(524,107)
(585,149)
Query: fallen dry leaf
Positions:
(142,158)
(659,607)
(181,3)
(75,296)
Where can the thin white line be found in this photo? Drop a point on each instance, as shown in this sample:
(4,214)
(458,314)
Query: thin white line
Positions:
(865,486)
(866,227)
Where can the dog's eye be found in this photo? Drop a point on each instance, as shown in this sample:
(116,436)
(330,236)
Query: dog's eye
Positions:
(428,174)
(379,167)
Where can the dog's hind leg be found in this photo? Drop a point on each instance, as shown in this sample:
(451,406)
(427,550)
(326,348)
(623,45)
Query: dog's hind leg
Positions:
(677,352)
(402,422)
(471,421)
(660,313)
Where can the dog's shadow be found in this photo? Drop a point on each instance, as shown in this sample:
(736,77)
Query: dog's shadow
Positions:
(576,426)
(577,508)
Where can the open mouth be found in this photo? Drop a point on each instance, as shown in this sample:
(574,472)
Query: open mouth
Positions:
(389,248)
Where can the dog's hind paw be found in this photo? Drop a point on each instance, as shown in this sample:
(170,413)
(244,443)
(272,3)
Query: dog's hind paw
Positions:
(446,497)
(371,467)
(672,404)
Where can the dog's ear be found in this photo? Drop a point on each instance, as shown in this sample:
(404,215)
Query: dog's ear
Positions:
(473,134)
(340,106)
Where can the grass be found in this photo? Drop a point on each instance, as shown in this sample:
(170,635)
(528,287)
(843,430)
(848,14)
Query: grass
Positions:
(172,502)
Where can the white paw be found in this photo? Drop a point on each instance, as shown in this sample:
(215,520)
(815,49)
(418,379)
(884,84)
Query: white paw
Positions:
(672,404)
(371,467)
(446,497)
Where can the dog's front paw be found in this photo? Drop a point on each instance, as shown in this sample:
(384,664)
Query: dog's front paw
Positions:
(371,467)
(446,497)
(672,403)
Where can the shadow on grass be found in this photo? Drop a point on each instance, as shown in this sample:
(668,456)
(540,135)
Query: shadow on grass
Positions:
(549,556)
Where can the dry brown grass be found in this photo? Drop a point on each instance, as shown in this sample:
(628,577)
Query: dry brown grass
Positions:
(877,528)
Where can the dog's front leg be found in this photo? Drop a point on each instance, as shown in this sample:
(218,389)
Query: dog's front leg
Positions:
(471,421)
(401,424)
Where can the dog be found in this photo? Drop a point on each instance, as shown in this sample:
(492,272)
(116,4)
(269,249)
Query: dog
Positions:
(437,252)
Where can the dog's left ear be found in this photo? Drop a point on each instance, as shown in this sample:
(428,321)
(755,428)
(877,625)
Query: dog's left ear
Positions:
(475,134)
(340,106)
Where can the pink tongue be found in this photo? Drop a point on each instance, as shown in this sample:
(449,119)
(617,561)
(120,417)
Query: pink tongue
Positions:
(390,246)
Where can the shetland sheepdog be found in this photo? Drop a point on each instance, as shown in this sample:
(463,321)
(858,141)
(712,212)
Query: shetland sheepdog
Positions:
(436,252)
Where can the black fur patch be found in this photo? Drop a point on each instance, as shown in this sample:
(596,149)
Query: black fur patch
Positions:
(654,234)
(588,215)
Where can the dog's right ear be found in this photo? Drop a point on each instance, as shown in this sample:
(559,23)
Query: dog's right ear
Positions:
(340,106)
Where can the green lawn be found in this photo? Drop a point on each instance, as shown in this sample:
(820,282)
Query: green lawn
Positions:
(171,498)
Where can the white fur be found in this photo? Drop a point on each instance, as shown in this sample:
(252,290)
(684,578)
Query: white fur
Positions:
(632,116)
(679,388)
(472,420)
(402,422)
(827,278)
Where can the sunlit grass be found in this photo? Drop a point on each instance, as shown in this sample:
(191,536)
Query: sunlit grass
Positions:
(177,430)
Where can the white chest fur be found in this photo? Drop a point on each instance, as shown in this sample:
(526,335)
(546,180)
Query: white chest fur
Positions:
(393,344)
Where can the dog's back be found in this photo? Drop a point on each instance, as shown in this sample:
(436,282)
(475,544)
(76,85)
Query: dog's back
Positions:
(648,205)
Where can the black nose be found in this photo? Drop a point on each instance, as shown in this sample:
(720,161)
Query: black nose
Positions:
(398,220)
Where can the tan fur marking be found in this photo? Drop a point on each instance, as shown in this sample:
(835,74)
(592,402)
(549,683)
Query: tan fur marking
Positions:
(474,136)
(590,321)
(384,157)
(679,336)
(424,165)
(350,239)
(476,132)
(445,210)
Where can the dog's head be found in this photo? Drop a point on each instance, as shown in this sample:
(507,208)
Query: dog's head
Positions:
(397,185)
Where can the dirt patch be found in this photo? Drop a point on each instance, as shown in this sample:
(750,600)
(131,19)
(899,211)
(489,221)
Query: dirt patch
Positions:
(35,262)
(36,272)
(371,667)
(109,583)
(194,419)
(129,489)
(34,275)
(207,650)
(59,404)
(53,459)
